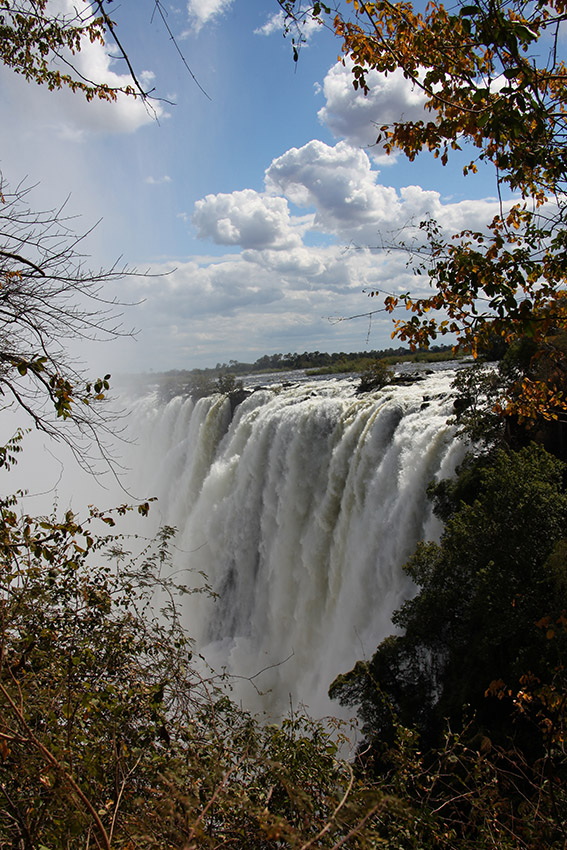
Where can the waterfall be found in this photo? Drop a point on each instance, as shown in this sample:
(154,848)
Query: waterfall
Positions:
(300,506)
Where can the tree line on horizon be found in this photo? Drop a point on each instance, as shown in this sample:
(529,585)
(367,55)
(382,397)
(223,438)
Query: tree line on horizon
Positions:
(317,359)
(223,377)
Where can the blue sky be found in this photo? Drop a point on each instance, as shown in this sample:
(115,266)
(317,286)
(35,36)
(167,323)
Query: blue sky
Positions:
(253,210)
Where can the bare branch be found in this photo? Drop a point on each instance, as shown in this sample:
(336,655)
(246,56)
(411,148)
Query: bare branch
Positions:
(49,296)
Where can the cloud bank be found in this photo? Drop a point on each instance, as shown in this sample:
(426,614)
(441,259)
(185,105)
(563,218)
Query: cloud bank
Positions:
(289,272)
(312,242)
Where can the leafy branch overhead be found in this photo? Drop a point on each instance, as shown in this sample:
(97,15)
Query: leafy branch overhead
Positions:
(495,85)
(33,35)
(41,42)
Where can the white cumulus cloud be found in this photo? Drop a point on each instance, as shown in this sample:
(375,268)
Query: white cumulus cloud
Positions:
(158,181)
(338,181)
(350,203)
(275,23)
(245,218)
(263,301)
(351,115)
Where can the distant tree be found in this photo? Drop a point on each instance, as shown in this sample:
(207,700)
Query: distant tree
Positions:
(227,384)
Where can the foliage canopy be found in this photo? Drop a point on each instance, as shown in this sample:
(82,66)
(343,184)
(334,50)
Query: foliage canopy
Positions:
(112,732)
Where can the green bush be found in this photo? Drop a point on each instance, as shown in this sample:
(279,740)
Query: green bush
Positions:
(375,376)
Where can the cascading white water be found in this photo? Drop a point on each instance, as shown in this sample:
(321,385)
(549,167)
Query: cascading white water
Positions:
(300,508)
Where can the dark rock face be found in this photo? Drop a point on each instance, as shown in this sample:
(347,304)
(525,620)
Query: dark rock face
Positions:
(237,397)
